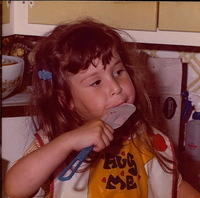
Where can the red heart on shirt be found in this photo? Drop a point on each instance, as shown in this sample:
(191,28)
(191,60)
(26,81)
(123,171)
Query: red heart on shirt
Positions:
(103,180)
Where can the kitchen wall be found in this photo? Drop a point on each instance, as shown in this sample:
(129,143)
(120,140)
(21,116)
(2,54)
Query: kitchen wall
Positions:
(22,28)
(21,45)
(25,22)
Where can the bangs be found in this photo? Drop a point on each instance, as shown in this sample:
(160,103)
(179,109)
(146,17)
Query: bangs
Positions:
(84,46)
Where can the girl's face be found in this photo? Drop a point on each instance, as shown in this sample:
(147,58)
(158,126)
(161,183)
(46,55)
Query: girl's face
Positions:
(97,89)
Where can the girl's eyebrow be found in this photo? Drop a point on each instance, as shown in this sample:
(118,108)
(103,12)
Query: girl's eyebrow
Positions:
(117,62)
(88,76)
(96,73)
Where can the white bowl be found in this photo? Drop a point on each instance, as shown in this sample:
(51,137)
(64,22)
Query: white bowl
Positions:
(12,74)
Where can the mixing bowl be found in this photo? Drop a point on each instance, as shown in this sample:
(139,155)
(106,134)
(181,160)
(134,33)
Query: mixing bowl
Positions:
(12,74)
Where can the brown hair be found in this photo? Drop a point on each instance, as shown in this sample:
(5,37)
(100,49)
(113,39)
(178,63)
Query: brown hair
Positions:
(73,47)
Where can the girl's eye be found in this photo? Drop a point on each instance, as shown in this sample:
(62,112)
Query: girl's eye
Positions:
(96,83)
(119,72)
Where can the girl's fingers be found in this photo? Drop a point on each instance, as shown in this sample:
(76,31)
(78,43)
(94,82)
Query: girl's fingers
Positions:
(105,139)
(100,146)
(109,127)
(109,133)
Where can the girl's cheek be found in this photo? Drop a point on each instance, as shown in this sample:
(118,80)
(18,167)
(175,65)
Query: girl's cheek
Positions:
(132,92)
(129,85)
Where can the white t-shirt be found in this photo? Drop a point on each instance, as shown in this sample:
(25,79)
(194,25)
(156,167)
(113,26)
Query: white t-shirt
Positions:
(132,172)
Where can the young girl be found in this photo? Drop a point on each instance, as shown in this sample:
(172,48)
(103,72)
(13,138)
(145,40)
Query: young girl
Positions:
(82,70)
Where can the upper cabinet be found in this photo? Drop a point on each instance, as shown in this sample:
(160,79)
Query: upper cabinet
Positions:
(133,15)
(176,23)
(125,15)
(5,12)
(179,16)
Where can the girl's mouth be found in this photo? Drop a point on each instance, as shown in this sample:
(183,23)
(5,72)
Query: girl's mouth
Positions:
(118,103)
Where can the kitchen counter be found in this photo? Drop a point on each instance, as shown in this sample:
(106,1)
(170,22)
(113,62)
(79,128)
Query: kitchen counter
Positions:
(19,99)
(17,104)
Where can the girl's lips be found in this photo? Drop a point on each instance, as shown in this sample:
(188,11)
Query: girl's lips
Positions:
(117,104)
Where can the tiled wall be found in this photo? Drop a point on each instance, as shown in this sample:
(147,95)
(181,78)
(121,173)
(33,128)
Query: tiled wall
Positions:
(21,45)
(193,61)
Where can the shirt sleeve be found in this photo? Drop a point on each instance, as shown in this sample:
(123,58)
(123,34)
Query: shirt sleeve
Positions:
(161,183)
(37,143)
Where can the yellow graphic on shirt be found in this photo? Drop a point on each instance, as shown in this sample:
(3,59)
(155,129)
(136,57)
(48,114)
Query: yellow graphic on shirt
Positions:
(120,176)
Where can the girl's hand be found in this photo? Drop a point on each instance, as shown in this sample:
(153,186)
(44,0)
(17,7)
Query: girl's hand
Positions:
(93,133)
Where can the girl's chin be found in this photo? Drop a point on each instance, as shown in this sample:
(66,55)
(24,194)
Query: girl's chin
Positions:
(88,118)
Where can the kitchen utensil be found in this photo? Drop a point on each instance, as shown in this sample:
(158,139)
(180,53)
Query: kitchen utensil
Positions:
(115,117)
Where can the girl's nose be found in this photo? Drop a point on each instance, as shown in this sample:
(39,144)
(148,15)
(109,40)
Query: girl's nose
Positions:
(115,87)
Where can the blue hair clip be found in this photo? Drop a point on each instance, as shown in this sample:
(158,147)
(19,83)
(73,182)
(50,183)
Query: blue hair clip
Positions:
(44,74)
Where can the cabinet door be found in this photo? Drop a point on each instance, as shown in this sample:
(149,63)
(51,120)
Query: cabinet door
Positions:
(5,12)
(179,16)
(126,15)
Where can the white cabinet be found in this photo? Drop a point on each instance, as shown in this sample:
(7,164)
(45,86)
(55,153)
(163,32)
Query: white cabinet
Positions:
(17,134)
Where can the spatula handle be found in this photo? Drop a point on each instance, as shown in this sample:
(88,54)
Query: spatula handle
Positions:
(74,164)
